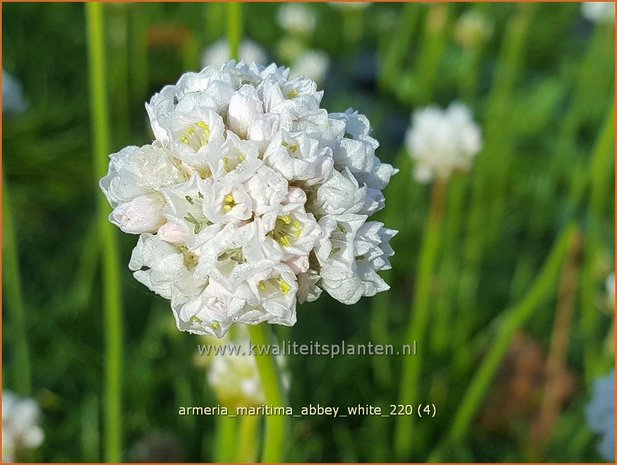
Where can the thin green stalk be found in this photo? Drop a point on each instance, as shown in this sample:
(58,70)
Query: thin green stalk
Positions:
(398,46)
(433,47)
(490,173)
(471,61)
(600,169)
(85,275)
(600,178)
(274,439)
(234,28)
(139,52)
(214,13)
(112,306)
(119,62)
(412,366)
(591,87)
(449,268)
(499,130)
(515,319)
(378,326)
(14,299)
(90,429)
(190,52)
(247,444)
(353,24)
(226,432)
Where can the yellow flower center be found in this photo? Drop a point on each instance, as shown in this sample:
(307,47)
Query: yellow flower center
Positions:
(228,203)
(286,230)
(197,135)
(277,283)
(190,259)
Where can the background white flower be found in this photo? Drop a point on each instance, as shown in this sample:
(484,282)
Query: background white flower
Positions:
(13,100)
(472,28)
(442,141)
(251,199)
(599,12)
(610,288)
(312,64)
(297,18)
(218,53)
(20,425)
(600,414)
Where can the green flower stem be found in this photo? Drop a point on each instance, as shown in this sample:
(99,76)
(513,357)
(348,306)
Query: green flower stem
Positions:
(433,47)
(112,306)
(380,333)
(412,366)
(600,178)
(85,275)
(214,20)
(441,334)
(499,129)
(14,299)
(600,169)
(234,28)
(353,24)
(513,320)
(274,439)
(397,47)
(589,88)
(119,62)
(246,444)
(138,35)
(490,173)
(472,62)
(226,432)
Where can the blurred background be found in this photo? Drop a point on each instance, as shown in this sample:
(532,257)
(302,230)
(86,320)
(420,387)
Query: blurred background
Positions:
(539,79)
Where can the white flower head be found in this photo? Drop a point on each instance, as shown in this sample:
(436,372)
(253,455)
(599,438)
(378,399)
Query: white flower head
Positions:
(13,100)
(218,53)
(599,12)
(472,28)
(251,199)
(610,288)
(442,141)
(600,413)
(20,426)
(297,18)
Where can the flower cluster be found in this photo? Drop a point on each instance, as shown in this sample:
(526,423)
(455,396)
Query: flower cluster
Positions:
(442,141)
(600,414)
(217,53)
(298,21)
(13,100)
(297,18)
(610,288)
(599,12)
(251,199)
(472,29)
(20,429)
